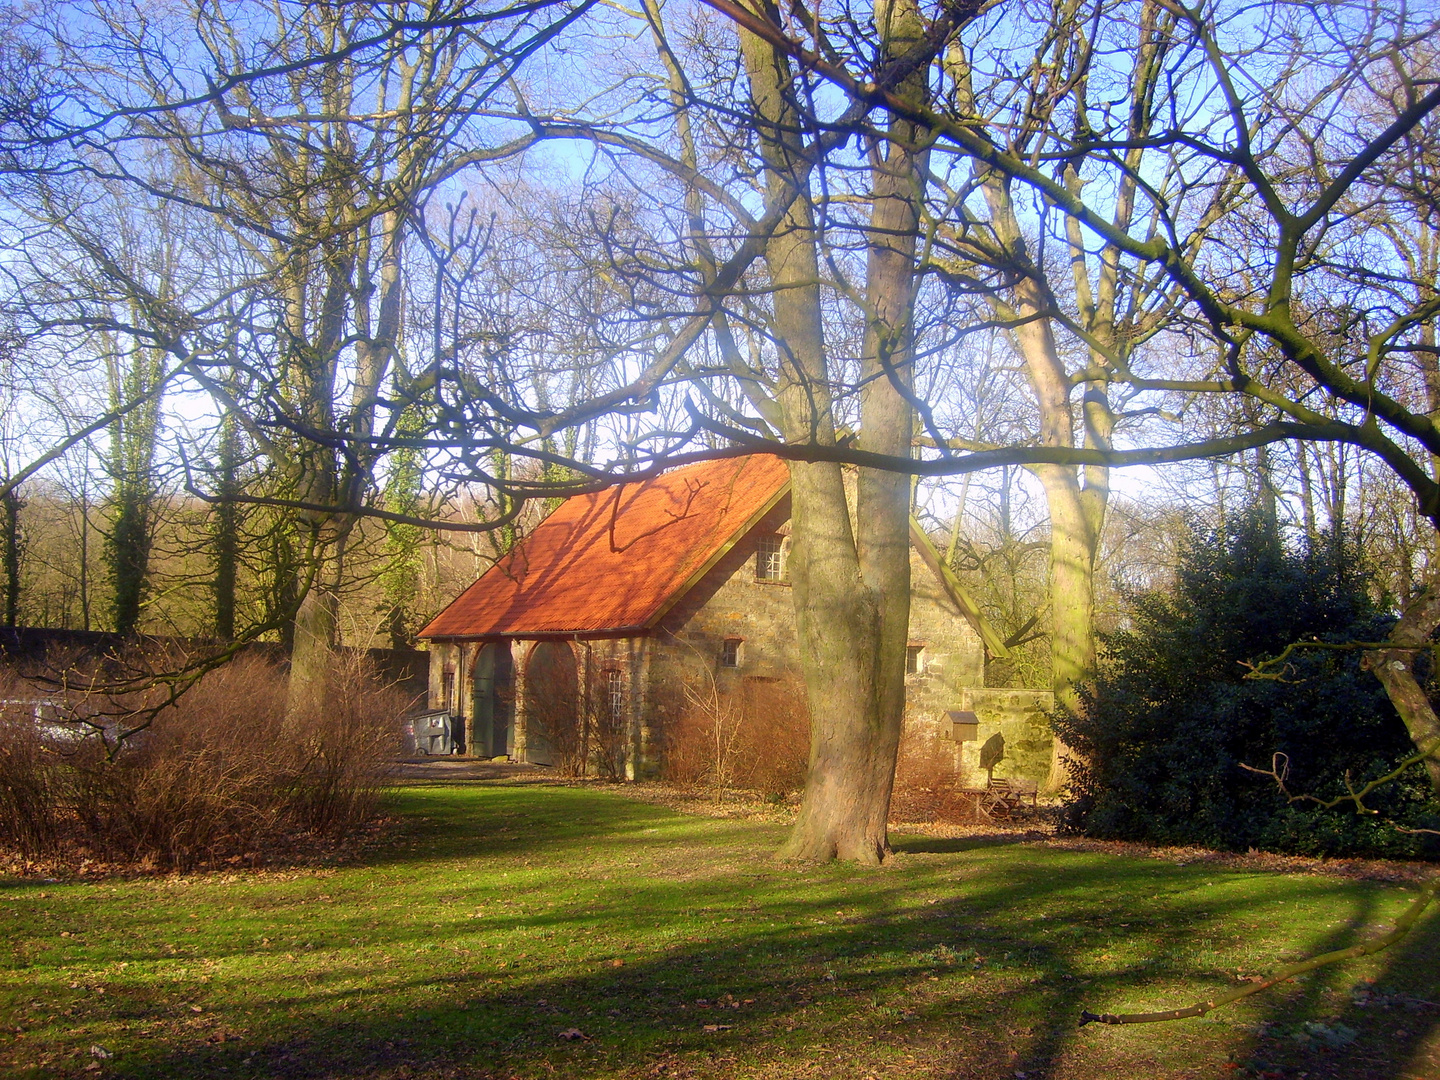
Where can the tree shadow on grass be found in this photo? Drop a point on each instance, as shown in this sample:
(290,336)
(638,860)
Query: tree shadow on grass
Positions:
(949,845)
(946,967)
(1338,1023)
(1328,1024)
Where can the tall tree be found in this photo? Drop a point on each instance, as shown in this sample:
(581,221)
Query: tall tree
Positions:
(225,525)
(14,546)
(295,146)
(134,372)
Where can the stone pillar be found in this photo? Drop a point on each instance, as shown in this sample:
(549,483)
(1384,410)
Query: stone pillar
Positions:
(521,655)
(641,762)
(649,759)
(441,654)
(585,704)
(464,696)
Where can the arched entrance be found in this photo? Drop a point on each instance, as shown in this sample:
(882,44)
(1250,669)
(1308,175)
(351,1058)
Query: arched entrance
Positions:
(492,731)
(552,714)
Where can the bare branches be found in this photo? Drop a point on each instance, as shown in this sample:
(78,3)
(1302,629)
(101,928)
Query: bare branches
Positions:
(1279,771)
(1276,668)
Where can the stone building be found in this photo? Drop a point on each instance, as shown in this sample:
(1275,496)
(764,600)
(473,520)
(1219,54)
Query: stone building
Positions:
(582,639)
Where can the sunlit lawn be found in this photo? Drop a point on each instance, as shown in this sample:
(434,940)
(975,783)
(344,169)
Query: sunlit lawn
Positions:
(504,918)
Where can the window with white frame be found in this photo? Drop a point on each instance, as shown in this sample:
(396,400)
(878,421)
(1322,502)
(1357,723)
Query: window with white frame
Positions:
(770,558)
(615,694)
(914,659)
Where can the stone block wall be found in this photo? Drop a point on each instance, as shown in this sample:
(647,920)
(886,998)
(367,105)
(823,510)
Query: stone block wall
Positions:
(727,603)
(1023,718)
(632,658)
(951,658)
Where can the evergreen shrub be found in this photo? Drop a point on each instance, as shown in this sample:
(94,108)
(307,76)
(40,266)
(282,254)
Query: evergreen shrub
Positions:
(1160,737)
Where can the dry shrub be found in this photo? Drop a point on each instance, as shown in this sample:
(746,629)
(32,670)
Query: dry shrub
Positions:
(777,723)
(27,804)
(223,774)
(607,728)
(756,740)
(925,778)
(552,707)
(339,755)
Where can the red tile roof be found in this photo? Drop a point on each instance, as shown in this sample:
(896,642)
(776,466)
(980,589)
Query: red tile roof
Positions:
(619,558)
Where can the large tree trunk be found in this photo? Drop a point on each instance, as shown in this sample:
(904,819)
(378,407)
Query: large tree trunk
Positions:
(1073,544)
(316,629)
(129,550)
(226,528)
(851,582)
(1395,668)
(131,466)
(846,803)
(1077,514)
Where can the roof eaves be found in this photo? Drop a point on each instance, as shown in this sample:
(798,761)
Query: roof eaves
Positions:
(547,635)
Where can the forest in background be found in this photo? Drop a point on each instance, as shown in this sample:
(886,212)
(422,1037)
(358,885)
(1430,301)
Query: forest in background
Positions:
(289,289)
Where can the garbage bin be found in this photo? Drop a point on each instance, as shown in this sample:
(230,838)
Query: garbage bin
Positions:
(434,733)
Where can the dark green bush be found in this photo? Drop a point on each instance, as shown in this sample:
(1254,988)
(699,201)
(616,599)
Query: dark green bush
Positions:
(1160,737)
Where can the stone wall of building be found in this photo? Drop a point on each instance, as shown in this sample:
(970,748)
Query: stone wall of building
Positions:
(951,655)
(687,647)
(622,723)
(729,603)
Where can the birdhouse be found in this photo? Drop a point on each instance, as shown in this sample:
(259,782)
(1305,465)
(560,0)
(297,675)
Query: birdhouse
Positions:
(964,725)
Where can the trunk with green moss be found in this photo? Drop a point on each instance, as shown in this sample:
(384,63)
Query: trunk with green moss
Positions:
(134,374)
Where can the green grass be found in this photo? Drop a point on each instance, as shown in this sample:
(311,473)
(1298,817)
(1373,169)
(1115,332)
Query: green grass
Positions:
(501,916)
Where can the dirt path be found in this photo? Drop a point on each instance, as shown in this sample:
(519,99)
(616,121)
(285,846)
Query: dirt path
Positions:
(452,770)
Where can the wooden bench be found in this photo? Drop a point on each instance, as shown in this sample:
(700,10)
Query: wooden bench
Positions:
(1011,794)
(999,798)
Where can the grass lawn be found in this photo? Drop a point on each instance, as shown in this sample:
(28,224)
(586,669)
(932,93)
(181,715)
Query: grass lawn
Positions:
(667,945)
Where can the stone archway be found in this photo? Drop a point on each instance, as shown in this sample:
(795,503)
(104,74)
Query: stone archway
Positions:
(552,706)
(492,681)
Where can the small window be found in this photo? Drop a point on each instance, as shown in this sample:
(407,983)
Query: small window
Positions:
(730,652)
(447,691)
(914,659)
(615,694)
(770,558)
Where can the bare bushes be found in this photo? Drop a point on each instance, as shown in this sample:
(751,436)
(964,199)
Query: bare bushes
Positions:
(755,737)
(926,778)
(27,804)
(222,775)
(606,721)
